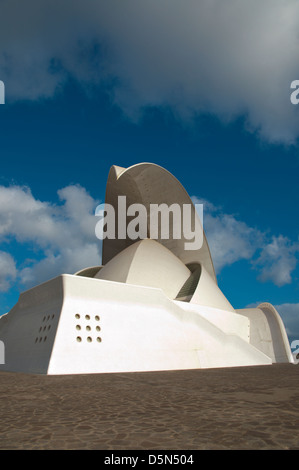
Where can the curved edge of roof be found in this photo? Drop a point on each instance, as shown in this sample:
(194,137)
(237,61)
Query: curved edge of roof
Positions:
(281,327)
(90,271)
(117,172)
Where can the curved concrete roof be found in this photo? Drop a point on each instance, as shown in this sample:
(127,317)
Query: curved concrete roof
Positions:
(267,332)
(147,263)
(148,183)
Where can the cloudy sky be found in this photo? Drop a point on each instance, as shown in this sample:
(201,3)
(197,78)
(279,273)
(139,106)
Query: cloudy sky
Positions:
(200,87)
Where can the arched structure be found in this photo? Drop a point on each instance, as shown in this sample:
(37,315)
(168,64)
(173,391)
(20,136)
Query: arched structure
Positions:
(146,184)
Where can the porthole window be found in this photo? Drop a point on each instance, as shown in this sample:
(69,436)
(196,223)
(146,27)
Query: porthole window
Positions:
(88,326)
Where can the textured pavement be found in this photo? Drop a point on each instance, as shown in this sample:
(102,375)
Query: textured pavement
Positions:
(236,408)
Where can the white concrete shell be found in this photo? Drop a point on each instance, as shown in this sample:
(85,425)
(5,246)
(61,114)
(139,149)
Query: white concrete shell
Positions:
(151,306)
(149,264)
(146,183)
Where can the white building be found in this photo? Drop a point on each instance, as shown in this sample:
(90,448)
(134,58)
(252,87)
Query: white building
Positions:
(152,305)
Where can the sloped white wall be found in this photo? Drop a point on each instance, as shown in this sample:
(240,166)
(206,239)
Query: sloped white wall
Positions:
(29,329)
(139,329)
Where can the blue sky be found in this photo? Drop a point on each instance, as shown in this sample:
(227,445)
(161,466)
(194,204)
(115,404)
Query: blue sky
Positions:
(200,88)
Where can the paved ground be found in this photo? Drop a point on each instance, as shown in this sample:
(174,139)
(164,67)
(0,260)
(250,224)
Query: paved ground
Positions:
(238,408)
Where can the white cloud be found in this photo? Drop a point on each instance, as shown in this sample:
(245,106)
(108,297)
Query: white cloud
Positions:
(278,260)
(8,271)
(228,58)
(289,313)
(67,260)
(63,233)
(231,240)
